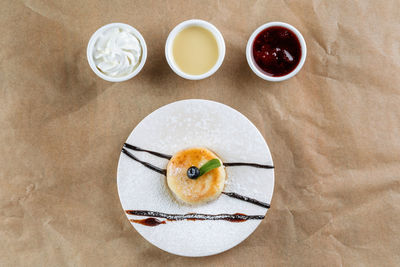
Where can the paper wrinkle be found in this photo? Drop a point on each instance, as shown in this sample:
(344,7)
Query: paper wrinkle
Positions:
(333,131)
(52,14)
(38,11)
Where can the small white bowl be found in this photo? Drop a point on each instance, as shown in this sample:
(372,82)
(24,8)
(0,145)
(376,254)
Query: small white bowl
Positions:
(253,64)
(200,23)
(93,40)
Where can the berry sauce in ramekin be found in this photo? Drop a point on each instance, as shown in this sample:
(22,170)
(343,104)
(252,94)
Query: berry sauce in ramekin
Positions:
(276,51)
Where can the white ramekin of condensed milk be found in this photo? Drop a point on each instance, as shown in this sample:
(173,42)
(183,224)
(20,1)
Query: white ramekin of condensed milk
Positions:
(195,49)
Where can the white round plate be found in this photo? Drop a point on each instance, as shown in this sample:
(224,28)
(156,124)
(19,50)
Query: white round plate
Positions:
(191,123)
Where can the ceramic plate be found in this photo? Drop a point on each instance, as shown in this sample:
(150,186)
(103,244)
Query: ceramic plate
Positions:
(194,123)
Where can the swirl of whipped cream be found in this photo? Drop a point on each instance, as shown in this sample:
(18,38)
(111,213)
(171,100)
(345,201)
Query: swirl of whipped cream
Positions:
(117,52)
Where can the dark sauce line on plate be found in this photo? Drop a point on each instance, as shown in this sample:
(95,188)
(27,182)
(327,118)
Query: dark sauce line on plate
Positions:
(148,221)
(227,164)
(255,165)
(237,217)
(144,163)
(247,199)
(161,155)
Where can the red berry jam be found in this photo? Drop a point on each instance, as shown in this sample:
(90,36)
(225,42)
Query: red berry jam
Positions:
(276,51)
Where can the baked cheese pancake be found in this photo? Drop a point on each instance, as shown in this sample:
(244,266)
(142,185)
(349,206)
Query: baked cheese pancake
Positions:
(202,189)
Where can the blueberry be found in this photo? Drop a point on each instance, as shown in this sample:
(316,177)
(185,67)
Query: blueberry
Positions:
(193,172)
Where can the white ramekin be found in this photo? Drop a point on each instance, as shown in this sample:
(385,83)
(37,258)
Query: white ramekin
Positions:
(93,40)
(253,64)
(200,23)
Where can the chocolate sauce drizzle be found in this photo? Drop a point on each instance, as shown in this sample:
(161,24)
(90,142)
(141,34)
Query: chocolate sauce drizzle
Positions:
(164,171)
(148,221)
(247,199)
(255,165)
(227,164)
(144,163)
(237,217)
(161,155)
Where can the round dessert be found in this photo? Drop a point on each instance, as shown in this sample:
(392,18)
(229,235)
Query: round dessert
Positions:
(187,183)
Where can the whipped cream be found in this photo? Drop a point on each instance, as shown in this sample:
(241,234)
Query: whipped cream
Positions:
(117,52)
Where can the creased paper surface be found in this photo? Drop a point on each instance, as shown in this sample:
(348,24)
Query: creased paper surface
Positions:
(333,131)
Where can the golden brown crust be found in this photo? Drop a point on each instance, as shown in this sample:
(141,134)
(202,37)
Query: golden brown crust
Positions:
(205,188)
